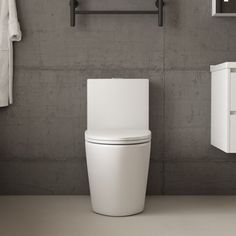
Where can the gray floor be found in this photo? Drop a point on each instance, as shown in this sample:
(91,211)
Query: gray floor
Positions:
(72,216)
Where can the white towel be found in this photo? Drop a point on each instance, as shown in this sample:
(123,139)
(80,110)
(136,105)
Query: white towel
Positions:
(9,32)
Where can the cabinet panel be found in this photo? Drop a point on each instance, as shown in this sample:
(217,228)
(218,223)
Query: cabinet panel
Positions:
(232,132)
(223,106)
(233,92)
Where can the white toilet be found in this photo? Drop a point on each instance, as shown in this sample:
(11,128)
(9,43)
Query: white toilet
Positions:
(118,142)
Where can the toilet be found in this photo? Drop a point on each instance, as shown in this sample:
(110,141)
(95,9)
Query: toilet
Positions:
(117,142)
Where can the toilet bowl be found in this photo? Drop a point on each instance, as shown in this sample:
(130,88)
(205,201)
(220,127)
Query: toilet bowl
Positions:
(118,143)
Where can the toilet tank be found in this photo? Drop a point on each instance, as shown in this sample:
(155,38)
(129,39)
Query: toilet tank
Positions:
(117,104)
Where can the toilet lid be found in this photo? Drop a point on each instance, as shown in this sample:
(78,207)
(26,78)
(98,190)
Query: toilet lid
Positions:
(127,136)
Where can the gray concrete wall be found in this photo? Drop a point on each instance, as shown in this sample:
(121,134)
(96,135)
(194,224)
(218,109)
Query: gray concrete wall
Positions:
(41,135)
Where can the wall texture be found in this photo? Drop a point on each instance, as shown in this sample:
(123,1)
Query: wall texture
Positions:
(41,135)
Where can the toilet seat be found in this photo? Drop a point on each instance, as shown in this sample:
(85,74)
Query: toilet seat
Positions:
(117,136)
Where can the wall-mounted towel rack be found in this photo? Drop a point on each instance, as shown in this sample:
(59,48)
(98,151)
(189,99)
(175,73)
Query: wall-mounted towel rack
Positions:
(74,4)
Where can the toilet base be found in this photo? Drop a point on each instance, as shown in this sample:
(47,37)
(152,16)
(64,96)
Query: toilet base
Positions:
(122,215)
(118,177)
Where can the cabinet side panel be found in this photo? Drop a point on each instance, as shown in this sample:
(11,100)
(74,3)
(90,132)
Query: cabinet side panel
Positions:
(233,133)
(213,7)
(219,109)
(232,126)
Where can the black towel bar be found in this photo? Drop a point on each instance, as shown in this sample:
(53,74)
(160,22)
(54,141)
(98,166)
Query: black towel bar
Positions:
(75,4)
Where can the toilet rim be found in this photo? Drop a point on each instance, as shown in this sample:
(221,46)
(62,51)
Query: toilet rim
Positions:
(118,142)
(118,137)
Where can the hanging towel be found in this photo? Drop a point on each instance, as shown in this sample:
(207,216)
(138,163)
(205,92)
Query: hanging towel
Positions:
(9,32)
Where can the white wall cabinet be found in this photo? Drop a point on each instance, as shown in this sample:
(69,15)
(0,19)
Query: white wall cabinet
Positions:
(223,106)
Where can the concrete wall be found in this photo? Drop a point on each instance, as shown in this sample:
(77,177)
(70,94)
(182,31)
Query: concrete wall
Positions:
(41,135)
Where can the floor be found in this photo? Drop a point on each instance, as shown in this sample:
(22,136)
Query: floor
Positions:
(72,216)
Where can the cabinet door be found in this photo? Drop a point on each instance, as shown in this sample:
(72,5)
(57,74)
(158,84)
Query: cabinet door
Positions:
(232,133)
(233,91)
